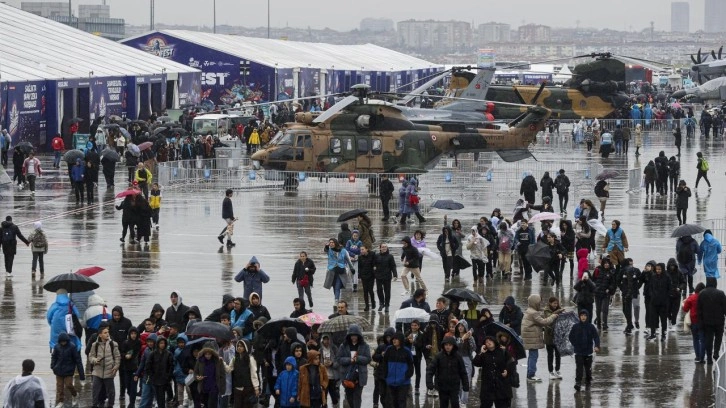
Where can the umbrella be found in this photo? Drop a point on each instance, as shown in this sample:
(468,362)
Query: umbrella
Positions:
(90,271)
(76,120)
(461,263)
(539,256)
(544,216)
(273,328)
(110,154)
(72,155)
(164,119)
(115,118)
(409,314)
(160,129)
(313,318)
(686,230)
(211,329)
(25,147)
(72,282)
(145,145)
(134,149)
(342,323)
(447,205)
(128,192)
(607,174)
(676,105)
(351,214)
(125,133)
(562,328)
(493,328)
(111,126)
(464,295)
(598,226)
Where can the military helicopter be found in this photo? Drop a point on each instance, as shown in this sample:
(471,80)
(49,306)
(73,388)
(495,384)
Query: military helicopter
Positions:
(360,134)
(596,90)
(705,70)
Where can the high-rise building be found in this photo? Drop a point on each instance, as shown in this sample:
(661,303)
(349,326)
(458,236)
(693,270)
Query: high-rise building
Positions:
(495,33)
(450,35)
(680,17)
(535,33)
(715,21)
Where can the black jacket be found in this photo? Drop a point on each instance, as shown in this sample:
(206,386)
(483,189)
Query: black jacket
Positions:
(547,185)
(409,255)
(659,287)
(682,196)
(678,281)
(385,266)
(604,281)
(711,307)
(132,348)
(562,184)
(413,303)
(585,292)
(66,359)
(227,211)
(441,242)
(216,315)
(119,330)
(600,191)
(386,189)
(493,364)
(298,271)
(628,280)
(449,370)
(365,266)
(177,315)
(10,247)
(160,367)
(513,317)
(528,186)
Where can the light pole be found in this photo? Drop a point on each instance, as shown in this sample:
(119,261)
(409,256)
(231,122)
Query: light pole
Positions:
(268,19)
(214,28)
(151,15)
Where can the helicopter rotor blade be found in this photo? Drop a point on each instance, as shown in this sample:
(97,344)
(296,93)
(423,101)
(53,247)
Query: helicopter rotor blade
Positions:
(420,90)
(424,78)
(720,51)
(347,101)
(539,92)
(694,60)
(713,54)
(700,60)
(519,96)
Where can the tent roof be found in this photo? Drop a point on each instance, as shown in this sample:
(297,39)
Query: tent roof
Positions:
(33,48)
(295,54)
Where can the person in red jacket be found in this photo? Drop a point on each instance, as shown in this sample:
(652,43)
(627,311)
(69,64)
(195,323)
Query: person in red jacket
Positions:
(58,147)
(699,343)
(582,264)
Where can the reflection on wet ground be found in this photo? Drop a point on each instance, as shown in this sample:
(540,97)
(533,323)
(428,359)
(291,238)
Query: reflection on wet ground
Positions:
(185,256)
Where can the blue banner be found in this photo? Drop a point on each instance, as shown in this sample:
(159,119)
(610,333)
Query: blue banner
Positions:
(26,109)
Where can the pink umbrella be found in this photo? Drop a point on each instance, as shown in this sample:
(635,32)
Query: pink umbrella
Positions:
(90,271)
(313,318)
(128,192)
(545,216)
(145,145)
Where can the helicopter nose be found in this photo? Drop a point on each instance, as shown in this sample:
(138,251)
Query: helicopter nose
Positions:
(259,157)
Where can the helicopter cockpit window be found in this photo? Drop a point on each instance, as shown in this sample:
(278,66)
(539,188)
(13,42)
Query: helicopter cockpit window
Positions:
(399,144)
(299,143)
(308,141)
(348,145)
(362,146)
(285,140)
(376,149)
(335,146)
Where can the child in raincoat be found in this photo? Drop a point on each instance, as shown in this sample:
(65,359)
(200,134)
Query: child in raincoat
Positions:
(287,383)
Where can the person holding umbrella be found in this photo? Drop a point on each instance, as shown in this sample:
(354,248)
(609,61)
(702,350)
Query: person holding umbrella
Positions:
(108,163)
(686,251)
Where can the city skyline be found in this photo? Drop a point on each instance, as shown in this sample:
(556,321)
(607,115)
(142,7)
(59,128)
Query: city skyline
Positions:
(329,13)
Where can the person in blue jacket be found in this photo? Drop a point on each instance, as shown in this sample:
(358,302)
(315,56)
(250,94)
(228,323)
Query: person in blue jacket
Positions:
(252,276)
(398,370)
(583,337)
(64,362)
(708,255)
(286,384)
(56,317)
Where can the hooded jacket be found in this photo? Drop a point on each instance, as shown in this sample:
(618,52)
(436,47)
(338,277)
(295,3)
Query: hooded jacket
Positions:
(252,280)
(467,347)
(649,173)
(448,369)
(708,255)
(363,356)
(258,310)
(220,375)
(304,384)
(216,315)
(56,318)
(66,359)
(584,337)
(10,247)
(345,234)
(95,313)
(533,324)
(180,354)
(512,318)
(659,287)
(385,266)
(493,363)
(604,278)
(441,242)
(239,362)
(177,314)
(397,366)
(119,329)
(285,349)
(477,245)
(585,291)
(243,319)
(410,255)
(678,282)
(681,245)
(628,281)
(528,187)
(131,348)
(583,265)
(158,323)
(711,307)
(287,384)
(299,312)
(160,366)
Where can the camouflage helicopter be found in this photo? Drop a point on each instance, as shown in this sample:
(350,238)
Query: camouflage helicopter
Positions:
(359,134)
(596,90)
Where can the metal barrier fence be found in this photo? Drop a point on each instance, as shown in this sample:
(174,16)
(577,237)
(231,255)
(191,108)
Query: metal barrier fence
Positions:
(719,380)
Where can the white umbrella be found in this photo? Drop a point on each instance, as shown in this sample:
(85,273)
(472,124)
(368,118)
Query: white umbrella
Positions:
(598,226)
(409,314)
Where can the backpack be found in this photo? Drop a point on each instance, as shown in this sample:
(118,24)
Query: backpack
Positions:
(514,378)
(413,199)
(505,244)
(39,240)
(56,144)
(8,235)
(560,185)
(685,255)
(704,165)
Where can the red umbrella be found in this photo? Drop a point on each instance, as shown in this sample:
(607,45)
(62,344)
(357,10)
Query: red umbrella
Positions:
(127,193)
(90,271)
(145,145)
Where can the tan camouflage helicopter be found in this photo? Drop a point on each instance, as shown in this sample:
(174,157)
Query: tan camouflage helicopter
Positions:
(364,135)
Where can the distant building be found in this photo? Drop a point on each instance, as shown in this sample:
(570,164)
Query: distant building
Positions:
(535,33)
(680,17)
(431,34)
(495,33)
(715,11)
(376,25)
(92,18)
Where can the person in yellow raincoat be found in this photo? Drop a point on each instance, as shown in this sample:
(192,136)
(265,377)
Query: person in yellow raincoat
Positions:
(155,204)
(255,140)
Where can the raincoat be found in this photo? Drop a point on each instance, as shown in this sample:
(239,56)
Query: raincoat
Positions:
(56,317)
(24,391)
(252,280)
(95,313)
(708,255)
(402,198)
(477,245)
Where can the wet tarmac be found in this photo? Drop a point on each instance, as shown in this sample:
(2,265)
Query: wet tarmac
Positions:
(185,256)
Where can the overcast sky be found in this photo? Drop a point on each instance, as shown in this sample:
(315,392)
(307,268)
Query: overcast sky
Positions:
(346,14)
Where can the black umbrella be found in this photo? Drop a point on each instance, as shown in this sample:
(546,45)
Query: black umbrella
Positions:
(71,282)
(76,120)
(493,328)
(686,230)
(351,214)
(464,295)
(447,205)
(211,329)
(607,174)
(160,129)
(72,155)
(273,328)
(539,255)
(112,126)
(25,147)
(110,154)
(461,263)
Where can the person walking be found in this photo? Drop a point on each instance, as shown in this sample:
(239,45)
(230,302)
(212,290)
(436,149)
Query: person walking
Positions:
(447,244)
(447,374)
(397,369)
(385,190)
(89,178)
(547,185)
(674,171)
(659,286)
(32,170)
(683,193)
(602,192)
(411,265)
(384,272)
(702,166)
(585,340)
(4,147)
(711,309)
(229,218)
(78,173)
(528,188)
(532,333)
(313,382)
(628,281)
(10,233)
(686,251)
(302,276)
(690,306)
(524,237)
(64,362)
(366,267)
(143,177)
(155,204)
(26,390)
(354,355)
(615,245)
(708,255)
(511,315)
(497,370)
(477,246)
(649,176)
(562,186)
(638,139)
(39,247)
(553,354)
(104,360)
(585,297)
(108,166)
(338,258)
